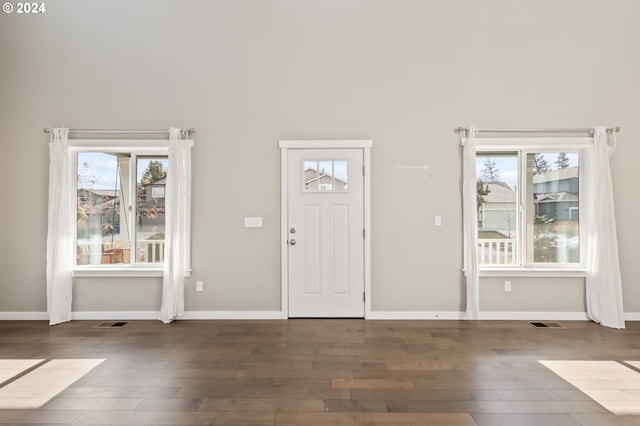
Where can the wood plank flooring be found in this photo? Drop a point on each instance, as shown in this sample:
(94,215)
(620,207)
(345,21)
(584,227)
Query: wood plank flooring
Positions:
(315,372)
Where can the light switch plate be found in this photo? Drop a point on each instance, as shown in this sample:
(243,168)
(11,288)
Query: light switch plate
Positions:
(438,221)
(253,222)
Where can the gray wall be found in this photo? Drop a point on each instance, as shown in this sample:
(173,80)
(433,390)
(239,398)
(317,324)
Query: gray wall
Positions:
(248,73)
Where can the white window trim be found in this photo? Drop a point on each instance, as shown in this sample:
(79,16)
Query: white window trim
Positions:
(542,272)
(139,147)
(524,146)
(108,271)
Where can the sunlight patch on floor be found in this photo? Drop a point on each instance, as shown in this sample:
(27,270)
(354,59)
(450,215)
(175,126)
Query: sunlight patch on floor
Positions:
(635,364)
(37,387)
(12,367)
(609,383)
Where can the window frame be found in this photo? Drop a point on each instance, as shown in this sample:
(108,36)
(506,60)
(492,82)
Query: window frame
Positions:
(136,148)
(522,146)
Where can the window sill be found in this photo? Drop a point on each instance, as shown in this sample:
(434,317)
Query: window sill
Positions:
(96,272)
(533,272)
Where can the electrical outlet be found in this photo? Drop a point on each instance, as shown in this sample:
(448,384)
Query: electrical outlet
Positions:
(507,286)
(199,286)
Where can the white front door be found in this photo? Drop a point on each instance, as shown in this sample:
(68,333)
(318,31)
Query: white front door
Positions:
(325,232)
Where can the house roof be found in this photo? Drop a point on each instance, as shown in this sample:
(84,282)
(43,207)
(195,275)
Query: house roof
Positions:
(107,192)
(320,175)
(556,196)
(499,192)
(162,181)
(101,192)
(554,175)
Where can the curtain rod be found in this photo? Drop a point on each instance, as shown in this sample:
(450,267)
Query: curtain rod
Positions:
(49,130)
(580,130)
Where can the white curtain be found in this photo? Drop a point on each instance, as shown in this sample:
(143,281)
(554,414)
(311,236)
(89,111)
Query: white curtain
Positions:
(470,223)
(176,226)
(60,247)
(603,282)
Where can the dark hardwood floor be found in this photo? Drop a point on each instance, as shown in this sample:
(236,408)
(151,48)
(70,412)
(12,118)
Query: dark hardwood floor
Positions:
(319,372)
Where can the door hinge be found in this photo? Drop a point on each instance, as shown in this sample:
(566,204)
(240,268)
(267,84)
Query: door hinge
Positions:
(364,296)
(363,234)
(362,170)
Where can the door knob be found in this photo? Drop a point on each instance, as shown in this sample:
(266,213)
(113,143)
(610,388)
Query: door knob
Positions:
(292,242)
(292,230)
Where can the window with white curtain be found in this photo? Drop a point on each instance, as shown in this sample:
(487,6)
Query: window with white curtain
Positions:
(120,204)
(529,195)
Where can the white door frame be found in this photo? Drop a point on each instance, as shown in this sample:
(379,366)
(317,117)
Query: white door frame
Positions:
(285,146)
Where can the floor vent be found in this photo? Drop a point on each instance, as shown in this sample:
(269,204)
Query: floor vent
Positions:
(547,325)
(111,324)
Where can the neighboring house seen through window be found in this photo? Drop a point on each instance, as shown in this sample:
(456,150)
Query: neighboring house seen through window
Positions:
(528,208)
(120,206)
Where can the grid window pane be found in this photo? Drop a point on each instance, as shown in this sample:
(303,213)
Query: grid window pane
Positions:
(325,176)
(553,214)
(102,235)
(150,208)
(497,203)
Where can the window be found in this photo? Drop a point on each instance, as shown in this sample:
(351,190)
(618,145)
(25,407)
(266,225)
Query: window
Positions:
(120,197)
(325,176)
(498,231)
(528,201)
(157,191)
(553,215)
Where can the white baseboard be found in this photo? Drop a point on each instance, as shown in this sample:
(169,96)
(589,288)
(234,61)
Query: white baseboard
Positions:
(489,315)
(232,315)
(24,316)
(632,316)
(145,315)
(534,316)
(115,315)
(415,315)
(188,315)
(277,315)
(548,316)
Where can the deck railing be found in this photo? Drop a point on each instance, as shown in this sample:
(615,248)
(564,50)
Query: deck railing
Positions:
(150,251)
(495,251)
